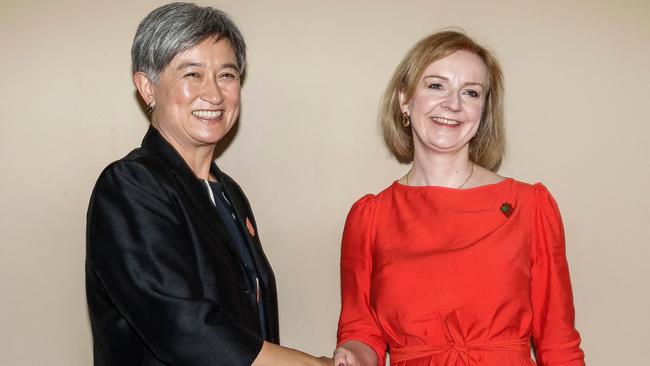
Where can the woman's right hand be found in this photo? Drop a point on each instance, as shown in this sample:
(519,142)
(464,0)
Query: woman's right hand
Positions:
(354,353)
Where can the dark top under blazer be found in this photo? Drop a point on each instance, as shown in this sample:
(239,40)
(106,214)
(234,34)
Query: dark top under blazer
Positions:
(164,284)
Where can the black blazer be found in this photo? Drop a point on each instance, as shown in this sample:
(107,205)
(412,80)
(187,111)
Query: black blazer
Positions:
(165,286)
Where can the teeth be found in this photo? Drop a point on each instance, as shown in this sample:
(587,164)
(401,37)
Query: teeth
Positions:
(445,121)
(207,114)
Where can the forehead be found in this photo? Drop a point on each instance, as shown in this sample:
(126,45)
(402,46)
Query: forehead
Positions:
(463,65)
(209,51)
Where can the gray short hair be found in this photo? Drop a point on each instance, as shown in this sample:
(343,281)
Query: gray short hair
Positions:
(177,27)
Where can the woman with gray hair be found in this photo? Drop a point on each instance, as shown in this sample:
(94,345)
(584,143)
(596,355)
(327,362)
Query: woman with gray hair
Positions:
(175,273)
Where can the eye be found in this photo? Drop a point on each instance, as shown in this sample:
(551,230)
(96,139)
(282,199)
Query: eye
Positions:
(471,93)
(436,86)
(228,75)
(192,75)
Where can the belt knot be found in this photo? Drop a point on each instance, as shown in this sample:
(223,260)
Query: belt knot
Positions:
(459,347)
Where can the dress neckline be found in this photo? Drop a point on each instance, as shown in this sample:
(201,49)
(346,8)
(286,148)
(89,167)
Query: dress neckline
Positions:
(399,185)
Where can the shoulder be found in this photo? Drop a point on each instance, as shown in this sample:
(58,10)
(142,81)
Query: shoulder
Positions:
(537,192)
(366,201)
(369,202)
(363,208)
(366,206)
(139,171)
(133,189)
(539,199)
(545,202)
(530,191)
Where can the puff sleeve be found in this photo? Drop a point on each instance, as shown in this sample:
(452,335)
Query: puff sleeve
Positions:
(556,340)
(357,320)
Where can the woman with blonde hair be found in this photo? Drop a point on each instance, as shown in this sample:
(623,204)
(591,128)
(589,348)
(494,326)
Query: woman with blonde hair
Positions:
(453,264)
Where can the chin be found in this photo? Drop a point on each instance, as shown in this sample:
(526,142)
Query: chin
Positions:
(209,138)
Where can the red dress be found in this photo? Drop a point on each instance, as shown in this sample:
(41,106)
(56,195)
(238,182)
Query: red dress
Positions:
(441,276)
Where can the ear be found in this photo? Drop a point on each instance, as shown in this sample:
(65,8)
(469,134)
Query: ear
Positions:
(403,103)
(145,87)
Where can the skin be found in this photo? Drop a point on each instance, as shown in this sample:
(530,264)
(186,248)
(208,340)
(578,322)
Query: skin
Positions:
(275,355)
(355,353)
(445,112)
(197,102)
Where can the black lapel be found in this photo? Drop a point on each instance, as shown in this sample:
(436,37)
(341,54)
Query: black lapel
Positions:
(243,211)
(244,218)
(194,187)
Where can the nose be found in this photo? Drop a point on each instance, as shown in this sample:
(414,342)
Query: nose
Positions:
(452,102)
(212,92)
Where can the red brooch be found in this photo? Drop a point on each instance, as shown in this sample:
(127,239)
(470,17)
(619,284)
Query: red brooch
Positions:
(250,227)
(506,209)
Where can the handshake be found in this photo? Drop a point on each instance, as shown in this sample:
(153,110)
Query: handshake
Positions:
(351,353)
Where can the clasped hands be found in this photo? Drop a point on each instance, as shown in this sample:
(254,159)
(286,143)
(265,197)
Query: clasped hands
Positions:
(350,353)
(354,353)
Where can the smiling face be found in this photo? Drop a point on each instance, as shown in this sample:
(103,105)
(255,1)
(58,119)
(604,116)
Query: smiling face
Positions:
(197,97)
(447,103)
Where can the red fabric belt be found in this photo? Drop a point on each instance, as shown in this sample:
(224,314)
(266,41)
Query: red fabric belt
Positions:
(458,348)
(459,351)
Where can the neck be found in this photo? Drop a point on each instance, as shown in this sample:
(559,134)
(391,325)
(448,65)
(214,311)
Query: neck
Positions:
(199,161)
(198,158)
(444,170)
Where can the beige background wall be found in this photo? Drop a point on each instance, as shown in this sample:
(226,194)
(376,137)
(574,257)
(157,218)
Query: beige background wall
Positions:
(578,97)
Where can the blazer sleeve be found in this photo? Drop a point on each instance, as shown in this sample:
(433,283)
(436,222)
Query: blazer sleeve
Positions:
(357,320)
(556,340)
(140,252)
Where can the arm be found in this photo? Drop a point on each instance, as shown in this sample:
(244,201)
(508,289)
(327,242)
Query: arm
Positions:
(359,336)
(274,355)
(139,251)
(556,340)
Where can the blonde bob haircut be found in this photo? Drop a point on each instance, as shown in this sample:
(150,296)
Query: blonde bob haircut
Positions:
(487,147)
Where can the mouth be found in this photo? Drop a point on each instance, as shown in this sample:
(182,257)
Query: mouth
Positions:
(446,122)
(207,114)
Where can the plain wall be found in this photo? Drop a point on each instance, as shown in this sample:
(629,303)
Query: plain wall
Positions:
(307,146)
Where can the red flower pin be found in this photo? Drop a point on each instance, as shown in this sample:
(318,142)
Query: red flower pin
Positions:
(250,227)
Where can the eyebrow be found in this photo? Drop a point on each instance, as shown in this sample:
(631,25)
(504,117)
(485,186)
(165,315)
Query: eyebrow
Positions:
(447,79)
(198,64)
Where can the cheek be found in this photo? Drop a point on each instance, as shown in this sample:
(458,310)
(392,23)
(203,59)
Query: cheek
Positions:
(424,103)
(234,99)
(232,94)
(185,92)
(181,94)
(474,112)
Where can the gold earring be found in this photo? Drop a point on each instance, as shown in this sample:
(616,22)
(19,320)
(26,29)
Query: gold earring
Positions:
(406,120)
